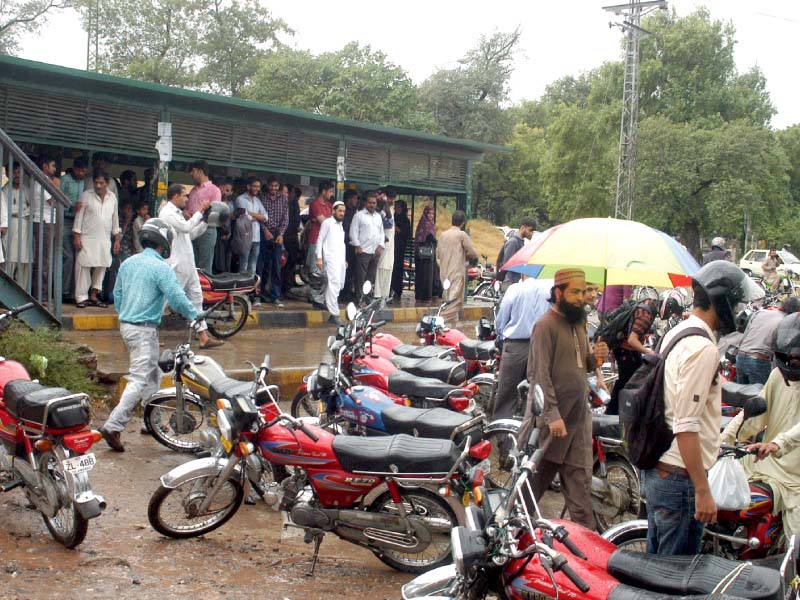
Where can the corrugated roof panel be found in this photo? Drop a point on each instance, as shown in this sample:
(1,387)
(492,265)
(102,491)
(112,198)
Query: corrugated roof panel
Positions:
(367,162)
(123,127)
(38,115)
(261,146)
(312,154)
(448,172)
(197,139)
(408,167)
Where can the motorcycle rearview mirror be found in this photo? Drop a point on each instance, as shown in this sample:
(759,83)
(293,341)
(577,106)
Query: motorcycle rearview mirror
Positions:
(351,309)
(446,285)
(366,288)
(753,406)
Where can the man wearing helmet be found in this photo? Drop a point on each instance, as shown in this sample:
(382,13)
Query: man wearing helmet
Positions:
(754,358)
(678,496)
(778,460)
(144,282)
(718,251)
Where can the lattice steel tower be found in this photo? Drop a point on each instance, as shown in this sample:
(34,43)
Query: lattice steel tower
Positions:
(631,14)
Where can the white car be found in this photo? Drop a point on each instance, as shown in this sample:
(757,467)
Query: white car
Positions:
(751,263)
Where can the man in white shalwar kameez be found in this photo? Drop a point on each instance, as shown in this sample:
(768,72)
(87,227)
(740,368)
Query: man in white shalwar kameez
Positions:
(383,280)
(95,223)
(330,253)
(181,258)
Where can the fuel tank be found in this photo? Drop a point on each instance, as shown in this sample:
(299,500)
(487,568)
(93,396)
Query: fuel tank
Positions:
(203,371)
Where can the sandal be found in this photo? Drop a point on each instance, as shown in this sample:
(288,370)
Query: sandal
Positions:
(83,304)
(100,304)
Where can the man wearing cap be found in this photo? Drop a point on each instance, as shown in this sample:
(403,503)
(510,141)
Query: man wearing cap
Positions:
(330,258)
(560,357)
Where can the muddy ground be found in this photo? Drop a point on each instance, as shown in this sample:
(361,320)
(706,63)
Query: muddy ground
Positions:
(124,557)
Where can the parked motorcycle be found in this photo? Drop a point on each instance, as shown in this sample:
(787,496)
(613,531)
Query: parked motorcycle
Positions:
(225,298)
(46,449)
(176,416)
(371,492)
(752,533)
(486,276)
(508,549)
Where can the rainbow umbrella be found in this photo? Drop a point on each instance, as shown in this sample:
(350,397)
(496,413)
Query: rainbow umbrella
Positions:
(610,251)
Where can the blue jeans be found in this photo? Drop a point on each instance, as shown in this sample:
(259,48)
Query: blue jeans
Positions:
(271,252)
(671,527)
(248,262)
(204,250)
(752,370)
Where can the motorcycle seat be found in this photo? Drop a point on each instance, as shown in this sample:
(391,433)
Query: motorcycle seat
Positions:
(606,426)
(394,454)
(406,384)
(229,389)
(436,423)
(690,575)
(476,349)
(736,394)
(626,592)
(27,400)
(448,371)
(224,282)
(414,351)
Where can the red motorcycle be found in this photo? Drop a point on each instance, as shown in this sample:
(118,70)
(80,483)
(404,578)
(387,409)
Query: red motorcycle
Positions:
(227,294)
(45,449)
(507,548)
(374,492)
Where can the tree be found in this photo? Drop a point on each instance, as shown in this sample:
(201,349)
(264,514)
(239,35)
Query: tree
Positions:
(468,101)
(18,17)
(208,44)
(354,82)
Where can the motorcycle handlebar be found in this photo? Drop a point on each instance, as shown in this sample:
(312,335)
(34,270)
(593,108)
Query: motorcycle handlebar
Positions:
(562,535)
(575,578)
(378,324)
(22,308)
(302,427)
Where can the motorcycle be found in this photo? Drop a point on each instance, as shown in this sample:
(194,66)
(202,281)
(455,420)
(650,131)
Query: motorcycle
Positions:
(508,549)
(225,301)
(176,416)
(485,329)
(370,492)
(486,276)
(752,533)
(46,449)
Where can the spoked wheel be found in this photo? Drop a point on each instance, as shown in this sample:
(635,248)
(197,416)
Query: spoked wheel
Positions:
(438,519)
(303,405)
(624,483)
(175,512)
(160,418)
(67,526)
(483,398)
(633,539)
(228,318)
(500,465)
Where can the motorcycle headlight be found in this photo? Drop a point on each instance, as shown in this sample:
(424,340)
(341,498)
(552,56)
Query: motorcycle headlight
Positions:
(326,375)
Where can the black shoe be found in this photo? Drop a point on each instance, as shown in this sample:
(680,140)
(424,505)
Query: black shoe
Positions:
(334,320)
(317,305)
(112,438)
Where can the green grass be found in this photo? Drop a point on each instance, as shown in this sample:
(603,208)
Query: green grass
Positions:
(64,366)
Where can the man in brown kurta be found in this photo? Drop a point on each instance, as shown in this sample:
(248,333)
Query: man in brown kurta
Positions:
(559,359)
(454,250)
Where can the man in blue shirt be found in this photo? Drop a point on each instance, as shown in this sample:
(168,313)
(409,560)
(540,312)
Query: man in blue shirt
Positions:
(144,282)
(522,305)
(72,184)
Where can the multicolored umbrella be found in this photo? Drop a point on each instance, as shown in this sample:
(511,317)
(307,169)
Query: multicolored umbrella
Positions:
(610,251)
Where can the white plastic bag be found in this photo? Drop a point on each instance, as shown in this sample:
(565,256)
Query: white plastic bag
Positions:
(729,486)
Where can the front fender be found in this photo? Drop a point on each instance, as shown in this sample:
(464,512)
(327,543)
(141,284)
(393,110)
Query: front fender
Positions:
(482,379)
(617,531)
(432,585)
(195,469)
(169,393)
(507,425)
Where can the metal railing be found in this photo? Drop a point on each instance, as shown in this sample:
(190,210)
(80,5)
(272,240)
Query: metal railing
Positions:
(31,222)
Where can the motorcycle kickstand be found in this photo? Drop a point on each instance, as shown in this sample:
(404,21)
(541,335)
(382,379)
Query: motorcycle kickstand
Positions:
(314,535)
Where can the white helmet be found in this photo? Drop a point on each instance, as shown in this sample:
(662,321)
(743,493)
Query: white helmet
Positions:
(718,242)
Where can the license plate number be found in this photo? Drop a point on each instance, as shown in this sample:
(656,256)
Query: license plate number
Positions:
(79,464)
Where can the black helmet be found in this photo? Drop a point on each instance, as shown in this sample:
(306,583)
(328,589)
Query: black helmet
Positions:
(727,286)
(787,343)
(158,233)
(671,304)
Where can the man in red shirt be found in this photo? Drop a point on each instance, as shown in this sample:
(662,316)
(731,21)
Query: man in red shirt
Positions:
(204,190)
(320,209)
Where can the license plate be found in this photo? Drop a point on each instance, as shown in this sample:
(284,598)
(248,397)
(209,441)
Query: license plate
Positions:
(79,464)
(227,444)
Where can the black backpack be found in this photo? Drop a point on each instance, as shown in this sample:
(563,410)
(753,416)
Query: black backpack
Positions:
(644,426)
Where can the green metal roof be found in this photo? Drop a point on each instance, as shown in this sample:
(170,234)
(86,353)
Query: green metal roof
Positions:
(50,76)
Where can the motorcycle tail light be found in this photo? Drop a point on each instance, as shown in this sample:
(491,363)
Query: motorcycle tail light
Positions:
(459,403)
(43,445)
(82,441)
(481,450)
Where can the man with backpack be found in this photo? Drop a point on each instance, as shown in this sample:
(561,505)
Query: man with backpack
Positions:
(624,332)
(671,413)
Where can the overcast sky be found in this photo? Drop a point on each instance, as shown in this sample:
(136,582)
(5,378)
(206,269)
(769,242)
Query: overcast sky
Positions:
(558,37)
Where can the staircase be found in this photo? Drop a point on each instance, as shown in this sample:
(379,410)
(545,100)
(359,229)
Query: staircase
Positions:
(27,265)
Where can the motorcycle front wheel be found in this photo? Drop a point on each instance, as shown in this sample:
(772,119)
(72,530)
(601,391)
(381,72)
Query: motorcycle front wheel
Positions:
(67,526)
(620,474)
(303,405)
(500,471)
(439,519)
(228,318)
(632,539)
(160,420)
(174,512)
